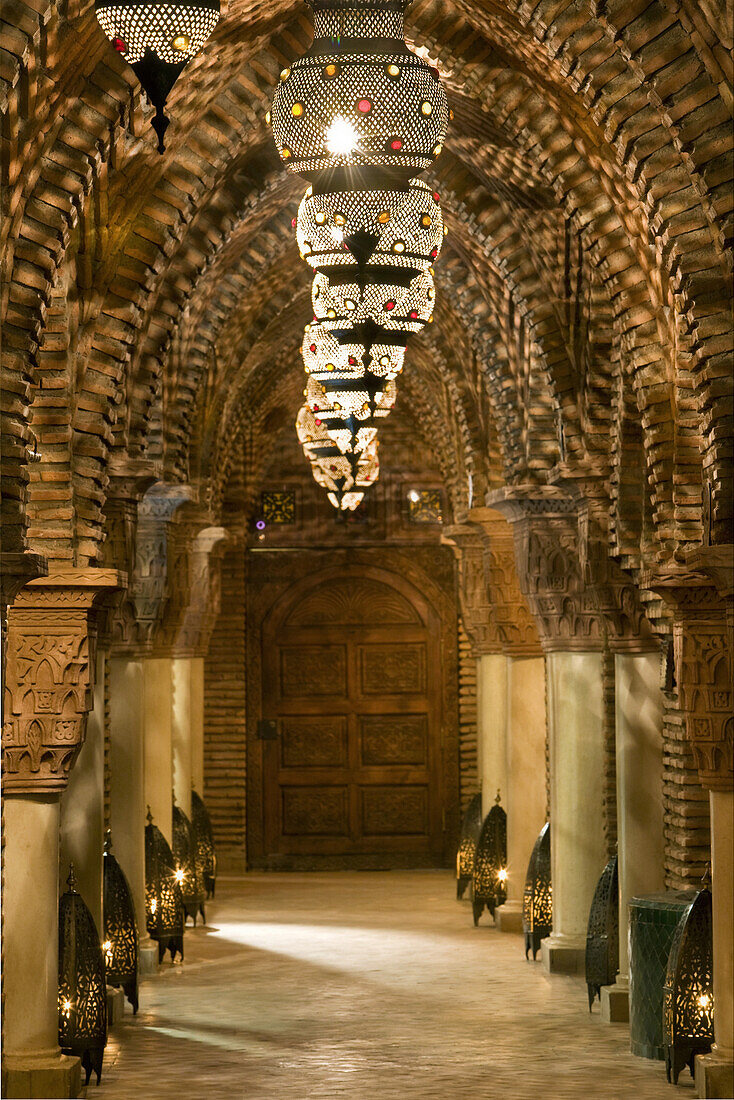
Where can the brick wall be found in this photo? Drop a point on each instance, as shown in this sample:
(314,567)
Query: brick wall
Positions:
(468,764)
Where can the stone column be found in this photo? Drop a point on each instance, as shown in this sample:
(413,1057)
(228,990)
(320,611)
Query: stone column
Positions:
(157,726)
(127,790)
(492,727)
(82,807)
(640,836)
(181,732)
(197,725)
(49,677)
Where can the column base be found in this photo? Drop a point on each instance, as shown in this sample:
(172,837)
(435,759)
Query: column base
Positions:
(44,1076)
(509,917)
(615,1003)
(715,1076)
(564,954)
(115,1005)
(147,958)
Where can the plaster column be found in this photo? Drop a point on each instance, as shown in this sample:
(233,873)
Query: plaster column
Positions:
(181,732)
(157,718)
(575,714)
(127,790)
(715,1071)
(82,807)
(491,727)
(524,797)
(197,725)
(640,838)
(33,1065)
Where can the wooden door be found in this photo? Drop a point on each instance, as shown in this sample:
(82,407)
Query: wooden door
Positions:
(352,678)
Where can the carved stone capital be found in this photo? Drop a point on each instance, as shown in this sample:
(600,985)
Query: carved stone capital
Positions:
(703,640)
(476,607)
(49,676)
(199,616)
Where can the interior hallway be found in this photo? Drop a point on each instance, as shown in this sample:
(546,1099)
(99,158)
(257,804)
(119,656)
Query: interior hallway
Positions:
(364,985)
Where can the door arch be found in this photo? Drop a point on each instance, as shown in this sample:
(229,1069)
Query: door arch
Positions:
(358,771)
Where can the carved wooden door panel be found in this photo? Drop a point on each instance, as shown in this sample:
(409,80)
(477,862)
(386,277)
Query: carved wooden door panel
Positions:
(352,678)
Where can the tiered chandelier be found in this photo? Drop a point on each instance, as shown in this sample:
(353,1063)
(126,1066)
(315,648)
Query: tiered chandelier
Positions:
(360,116)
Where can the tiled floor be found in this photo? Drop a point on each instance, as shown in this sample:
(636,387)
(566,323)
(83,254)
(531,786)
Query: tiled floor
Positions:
(364,985)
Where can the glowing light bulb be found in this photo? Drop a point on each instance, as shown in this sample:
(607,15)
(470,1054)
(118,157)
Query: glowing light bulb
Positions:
(414,496)
(107,947)
(502,874)
(179,876)
(704,1000)
(154,905)
(66,1006)
(341,137)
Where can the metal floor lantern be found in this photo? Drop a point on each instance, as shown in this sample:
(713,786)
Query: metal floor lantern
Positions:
(537,901)
(602,935)
(82,985)
(688,993)
(184,855)
(489,881)
(206,856)
(471,827)
(120,947)
(163,902)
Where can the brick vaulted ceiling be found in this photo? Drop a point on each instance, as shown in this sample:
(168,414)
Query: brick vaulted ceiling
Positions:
(153,305)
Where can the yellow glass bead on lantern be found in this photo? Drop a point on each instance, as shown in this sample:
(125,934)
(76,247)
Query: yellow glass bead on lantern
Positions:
(157,41)
(377,106)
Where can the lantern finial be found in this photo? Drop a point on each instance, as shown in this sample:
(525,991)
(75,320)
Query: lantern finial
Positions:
(71,880)
(149,816)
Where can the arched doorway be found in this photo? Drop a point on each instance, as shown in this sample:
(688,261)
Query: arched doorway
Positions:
(356,769)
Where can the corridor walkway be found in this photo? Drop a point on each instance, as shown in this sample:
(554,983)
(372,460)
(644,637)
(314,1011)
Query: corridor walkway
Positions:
(364,985)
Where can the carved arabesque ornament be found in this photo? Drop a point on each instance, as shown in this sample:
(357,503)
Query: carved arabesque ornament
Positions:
(477,612)
(49,676)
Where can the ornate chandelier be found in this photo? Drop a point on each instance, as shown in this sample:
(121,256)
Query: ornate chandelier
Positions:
(360,116)
(157,41)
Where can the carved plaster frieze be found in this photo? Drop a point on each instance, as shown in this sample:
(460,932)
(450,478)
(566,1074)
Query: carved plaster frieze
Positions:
(477,612)
(49,676)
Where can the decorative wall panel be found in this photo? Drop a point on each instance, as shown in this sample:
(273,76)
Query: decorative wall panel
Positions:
(394,811)
(313,742)
(393,739)
(315,811)
(313,670)
(392,669)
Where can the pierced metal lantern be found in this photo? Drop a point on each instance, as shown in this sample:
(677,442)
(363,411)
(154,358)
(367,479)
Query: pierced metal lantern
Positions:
(471,827)
(184,855)
(537,902)
(371,229)
(120,946)
(206,856)
(489,881)
(688,993)
(164,911)
(351,349)
(359,99)
(346,477)
(602,935)
(395,309)
(82,986)
(157,40)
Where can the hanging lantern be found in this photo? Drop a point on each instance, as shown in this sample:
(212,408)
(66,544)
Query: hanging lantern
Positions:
(370,229)
(471,827)
(489,880)
(688,993)
(602,936)
(394,308)
(351,351)
(82,986)
(362,397)
(537,901)
(184,856)
(359,99)
(120,946)
(346,477)
(206,856)
(157,40)
(163,901)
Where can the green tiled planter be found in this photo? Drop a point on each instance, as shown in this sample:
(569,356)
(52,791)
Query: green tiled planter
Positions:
(653,920)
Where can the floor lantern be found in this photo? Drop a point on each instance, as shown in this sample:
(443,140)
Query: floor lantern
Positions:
(184,855)
(164,915)
(82,985)
(206,856)
(120,946)
(602,935)
(688,993)
(471,827)
(537,901)
(489,881)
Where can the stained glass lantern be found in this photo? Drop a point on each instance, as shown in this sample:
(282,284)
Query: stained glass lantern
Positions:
(537,902)
(489,881)
(157,40)
(377,229)
(184,855)
(602,935)
(206,856)
(120,946)
(163,902)
(688,993)
(471,827)
(359,100)
(82,986)
(395,309)
(361,396)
